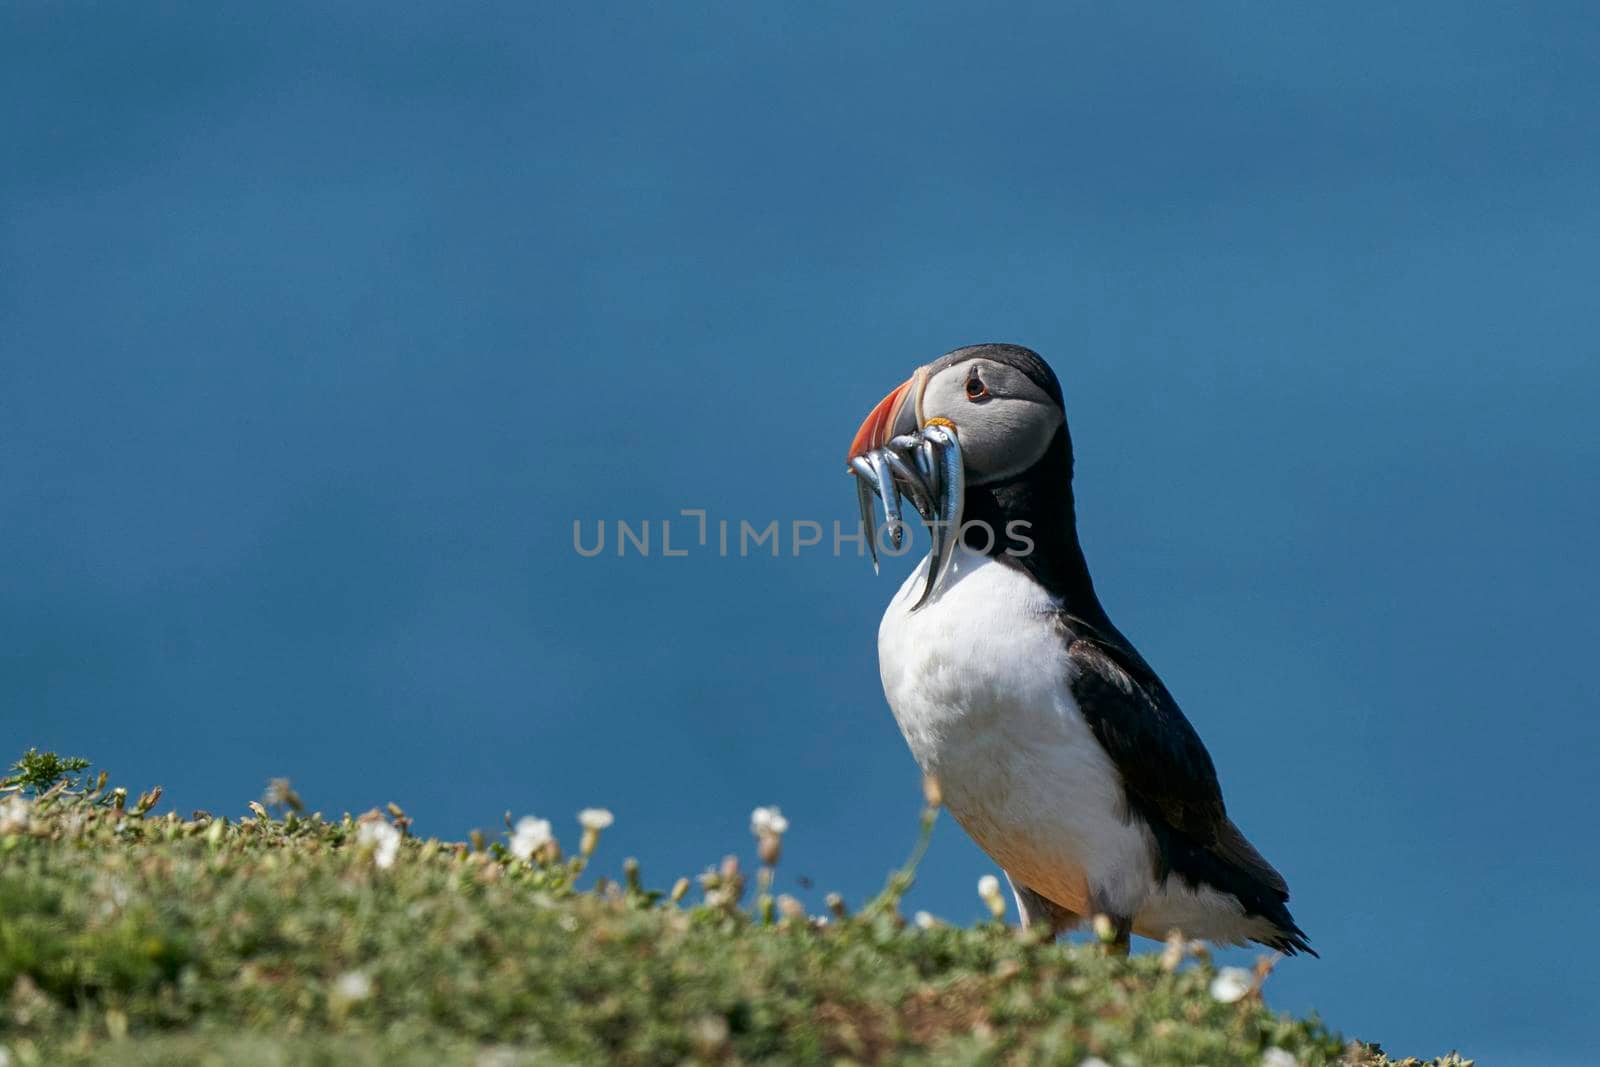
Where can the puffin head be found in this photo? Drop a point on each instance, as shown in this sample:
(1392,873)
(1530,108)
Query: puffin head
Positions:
(978,440)
(1002,401)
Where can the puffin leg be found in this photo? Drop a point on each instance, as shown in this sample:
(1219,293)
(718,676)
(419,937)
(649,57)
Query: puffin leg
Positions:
(1037,910)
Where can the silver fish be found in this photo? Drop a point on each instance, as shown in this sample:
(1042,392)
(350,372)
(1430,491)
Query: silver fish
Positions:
(953,490)
(927,457)
(863,470)
(946,532)
(866,489)
(869,520)
(889,494)
(921,498)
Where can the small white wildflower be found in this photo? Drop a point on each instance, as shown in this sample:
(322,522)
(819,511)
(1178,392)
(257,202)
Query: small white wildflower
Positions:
(16,815)
(1173,951)
(529,837)
(1277,1057)
(593,820)
(709,1036)
(353,985)
(768,821)
(769,826)
(382,838)
(1231,984)
(989,890)
(924,920)
(5,1057)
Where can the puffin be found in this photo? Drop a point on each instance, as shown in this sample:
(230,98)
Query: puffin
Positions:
(1055,745)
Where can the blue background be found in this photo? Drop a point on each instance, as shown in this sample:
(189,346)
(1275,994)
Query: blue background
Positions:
(319,330)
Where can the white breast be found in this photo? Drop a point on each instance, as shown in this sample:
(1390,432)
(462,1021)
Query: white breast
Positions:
(978,681)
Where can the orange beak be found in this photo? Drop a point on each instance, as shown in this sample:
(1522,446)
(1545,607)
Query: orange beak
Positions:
(879,424)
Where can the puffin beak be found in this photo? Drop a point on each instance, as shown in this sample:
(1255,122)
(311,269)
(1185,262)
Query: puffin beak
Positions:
(924,462)
(897,413)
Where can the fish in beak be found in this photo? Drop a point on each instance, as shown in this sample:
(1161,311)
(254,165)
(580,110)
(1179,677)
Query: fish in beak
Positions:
(897,452)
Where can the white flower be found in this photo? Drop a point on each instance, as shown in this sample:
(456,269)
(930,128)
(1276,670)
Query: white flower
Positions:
(769,826)
(530,836)
(382,838)
(989,890)
(1231,984)
(353,985)
(768,821)
(593,820)
(924,920)
(15,814)
(1277,1057)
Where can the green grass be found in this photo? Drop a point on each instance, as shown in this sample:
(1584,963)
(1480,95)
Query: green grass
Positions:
(128,937)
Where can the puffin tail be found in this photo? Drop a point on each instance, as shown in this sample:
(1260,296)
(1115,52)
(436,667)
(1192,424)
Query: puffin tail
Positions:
(1290,940)
(1268,893)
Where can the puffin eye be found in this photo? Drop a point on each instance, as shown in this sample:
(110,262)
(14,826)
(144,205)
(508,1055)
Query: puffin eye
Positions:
(976,390)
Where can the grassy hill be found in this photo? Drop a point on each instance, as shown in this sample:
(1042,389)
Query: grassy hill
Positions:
(282,938)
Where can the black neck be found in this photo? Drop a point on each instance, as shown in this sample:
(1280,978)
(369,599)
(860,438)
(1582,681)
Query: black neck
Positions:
(1041,496)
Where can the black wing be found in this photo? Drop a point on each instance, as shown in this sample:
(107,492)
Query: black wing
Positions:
(1168,776)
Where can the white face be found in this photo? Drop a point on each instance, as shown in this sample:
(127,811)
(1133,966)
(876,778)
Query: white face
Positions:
(1004,421)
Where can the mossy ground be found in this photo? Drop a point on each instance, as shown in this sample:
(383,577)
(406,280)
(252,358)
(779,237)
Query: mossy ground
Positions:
(133,938)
